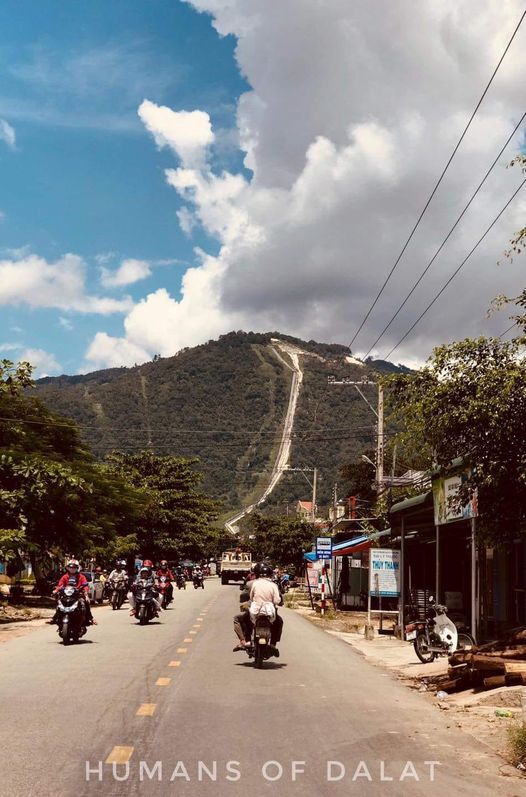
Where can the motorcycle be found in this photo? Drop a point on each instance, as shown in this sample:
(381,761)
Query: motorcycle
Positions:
(199,581)
(180,580)
(71,619)
(165,590)
(261,649)
(117,593)
(145,606)
(437,635)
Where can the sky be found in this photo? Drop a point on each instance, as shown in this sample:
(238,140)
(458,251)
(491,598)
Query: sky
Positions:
(171,170)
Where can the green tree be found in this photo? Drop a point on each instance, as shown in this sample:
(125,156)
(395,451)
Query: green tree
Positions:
(176,519)
(282,540)
(469,401)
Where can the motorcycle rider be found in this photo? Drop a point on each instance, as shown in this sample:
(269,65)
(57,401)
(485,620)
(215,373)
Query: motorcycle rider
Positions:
(145,577)
(242,621)
(118,575)
(165,572)
(197,573)
(74,578)
(264,590)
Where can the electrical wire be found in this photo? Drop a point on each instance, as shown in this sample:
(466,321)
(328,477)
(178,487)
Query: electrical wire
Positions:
(446,239)
(452,277)
(391,272)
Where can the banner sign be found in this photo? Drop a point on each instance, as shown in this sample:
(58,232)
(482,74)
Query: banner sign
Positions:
(384,573)
(445,490)
(324,547)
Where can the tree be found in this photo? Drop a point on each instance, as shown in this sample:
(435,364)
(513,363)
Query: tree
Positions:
(176,517)
(469,401)
(54,497)
(280,539)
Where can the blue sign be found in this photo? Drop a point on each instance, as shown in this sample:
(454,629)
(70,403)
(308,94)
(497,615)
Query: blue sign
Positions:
(323,547)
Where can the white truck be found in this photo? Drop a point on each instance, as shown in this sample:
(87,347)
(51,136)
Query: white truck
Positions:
(235,566)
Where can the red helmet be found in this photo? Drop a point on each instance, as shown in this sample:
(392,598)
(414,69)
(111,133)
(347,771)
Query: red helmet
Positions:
(147,563)
(164,563)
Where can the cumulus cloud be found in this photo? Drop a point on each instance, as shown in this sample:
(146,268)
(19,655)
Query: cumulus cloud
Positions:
(32,281)
(353,111)
(43,362)
(127,273)
(106,351)
(7,134)
(187,133)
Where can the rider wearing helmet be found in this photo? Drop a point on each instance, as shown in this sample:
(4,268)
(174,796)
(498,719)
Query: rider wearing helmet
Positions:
(165,572)
(118,574)
(145,577)
(263,590)
(73,577)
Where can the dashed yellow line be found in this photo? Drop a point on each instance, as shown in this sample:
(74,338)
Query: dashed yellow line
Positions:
(196,625)
(181,650)
(120,755)
(146,710)
(174,664)
(163,682)
(188,639)
(192,632)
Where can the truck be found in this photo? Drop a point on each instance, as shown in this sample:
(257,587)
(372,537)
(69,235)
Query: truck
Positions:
(235,565)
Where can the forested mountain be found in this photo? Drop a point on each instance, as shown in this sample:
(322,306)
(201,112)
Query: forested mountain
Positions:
(225,402)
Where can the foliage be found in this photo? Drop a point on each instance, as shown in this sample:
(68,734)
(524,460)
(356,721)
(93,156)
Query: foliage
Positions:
(282,540)
(518,241)
(470,401)
(517,742)
(175,520)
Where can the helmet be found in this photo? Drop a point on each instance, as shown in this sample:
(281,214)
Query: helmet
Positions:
(164,563)
(71,563)
(118,563)
(144,572)
(262,569)
(147,563)
(122,562)
(98,569)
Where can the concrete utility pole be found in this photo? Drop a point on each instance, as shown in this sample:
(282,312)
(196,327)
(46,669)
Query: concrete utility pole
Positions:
(312,485)
(379,426)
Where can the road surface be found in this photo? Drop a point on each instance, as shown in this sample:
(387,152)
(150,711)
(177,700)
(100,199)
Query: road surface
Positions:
(173,692)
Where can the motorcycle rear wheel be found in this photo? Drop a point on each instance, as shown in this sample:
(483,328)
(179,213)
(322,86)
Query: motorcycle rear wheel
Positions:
(465,642)
(143,619)
(258,656)
(422,651)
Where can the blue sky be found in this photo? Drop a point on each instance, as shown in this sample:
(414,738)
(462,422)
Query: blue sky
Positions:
(171,170)
(83,175)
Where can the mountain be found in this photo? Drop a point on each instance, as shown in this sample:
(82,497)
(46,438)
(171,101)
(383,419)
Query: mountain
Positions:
(225,402)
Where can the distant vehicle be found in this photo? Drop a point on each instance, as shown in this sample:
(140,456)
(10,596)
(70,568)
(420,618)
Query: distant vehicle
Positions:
(95,586)
(235,566)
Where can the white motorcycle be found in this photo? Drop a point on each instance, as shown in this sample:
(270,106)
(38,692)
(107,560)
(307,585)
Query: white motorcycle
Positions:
(437,635)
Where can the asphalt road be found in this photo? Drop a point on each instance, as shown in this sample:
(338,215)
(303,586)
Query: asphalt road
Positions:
(173,692)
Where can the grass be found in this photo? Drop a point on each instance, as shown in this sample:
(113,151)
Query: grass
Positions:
(517,742)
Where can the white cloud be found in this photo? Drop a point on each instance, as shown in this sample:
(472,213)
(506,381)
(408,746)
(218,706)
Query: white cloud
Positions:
(106,351)
(65,323)
(7,134)
(44,363)
(353,111)
(2,216)
(187,133)
(127,273)
(33,281)
(5,347)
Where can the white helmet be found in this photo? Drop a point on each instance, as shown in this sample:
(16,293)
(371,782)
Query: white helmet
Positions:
(72,563)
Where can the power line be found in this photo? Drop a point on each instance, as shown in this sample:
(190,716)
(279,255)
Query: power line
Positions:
(446,239)
(507,330)
(452,277)
(390,274)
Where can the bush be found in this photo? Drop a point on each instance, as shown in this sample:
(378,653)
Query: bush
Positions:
(517,742)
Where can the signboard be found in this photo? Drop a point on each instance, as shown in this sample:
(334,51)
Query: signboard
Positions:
(445,490)
(324,547)
(384,573)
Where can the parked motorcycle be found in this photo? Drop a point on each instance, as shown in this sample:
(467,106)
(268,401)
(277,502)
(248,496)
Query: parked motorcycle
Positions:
(199,581)
(117,593)
(180,580)
(145,606)
(437,635)
(166,591)
(71,619)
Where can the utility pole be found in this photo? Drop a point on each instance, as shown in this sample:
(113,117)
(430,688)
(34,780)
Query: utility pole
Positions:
(379,426)
(312,485)
(314,480)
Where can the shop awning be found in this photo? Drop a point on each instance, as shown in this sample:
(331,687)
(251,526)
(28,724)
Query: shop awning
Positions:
(409,503)
(358,543)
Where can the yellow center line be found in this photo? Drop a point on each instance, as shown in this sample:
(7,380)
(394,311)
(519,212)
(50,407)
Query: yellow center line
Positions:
(196,625)
(188,639)
(120,755)
(174,664)
(162,681)
(181,650)
(146,710)
(192,632)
